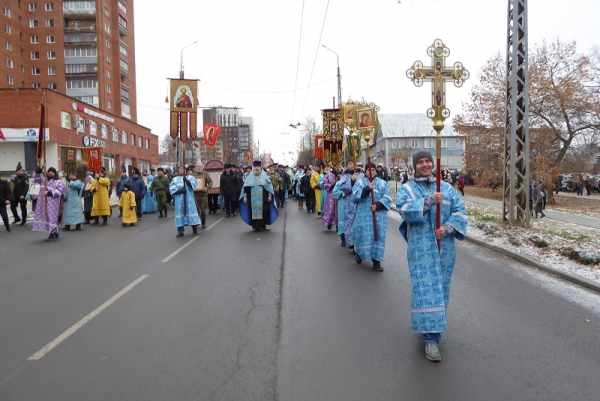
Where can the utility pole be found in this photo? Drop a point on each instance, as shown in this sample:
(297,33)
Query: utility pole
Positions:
(339,77)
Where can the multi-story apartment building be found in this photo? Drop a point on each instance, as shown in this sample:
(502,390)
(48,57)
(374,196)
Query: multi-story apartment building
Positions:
(235,136)
(82,49)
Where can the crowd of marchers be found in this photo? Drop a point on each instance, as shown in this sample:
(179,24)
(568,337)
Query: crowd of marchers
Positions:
(354,199)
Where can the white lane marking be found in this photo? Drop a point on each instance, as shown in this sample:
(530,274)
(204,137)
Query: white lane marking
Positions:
(171,256)
(52,344)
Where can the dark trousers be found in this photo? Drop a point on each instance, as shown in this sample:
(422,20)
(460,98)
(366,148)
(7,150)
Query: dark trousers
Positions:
(13,207)
(213,203)
(201,204)
(229,203)
(282,197)
(161,200)
(138,208)
(4,215)
(311,203)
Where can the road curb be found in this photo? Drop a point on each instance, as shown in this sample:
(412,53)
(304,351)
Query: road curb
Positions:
(574,278)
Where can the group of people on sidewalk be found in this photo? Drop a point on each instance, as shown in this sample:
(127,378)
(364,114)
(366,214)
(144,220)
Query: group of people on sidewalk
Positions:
(356,201)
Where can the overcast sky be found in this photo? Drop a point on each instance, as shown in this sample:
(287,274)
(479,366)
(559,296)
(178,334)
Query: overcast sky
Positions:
(247,52)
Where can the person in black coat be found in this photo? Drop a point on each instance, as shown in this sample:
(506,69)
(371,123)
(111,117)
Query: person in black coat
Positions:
(230,189)
(6,196)
(138,187)
(21,187)
(309,192)
(285,183)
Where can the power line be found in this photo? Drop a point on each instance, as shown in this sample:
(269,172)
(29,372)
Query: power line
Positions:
(298,60)
(267,92)
(315,61)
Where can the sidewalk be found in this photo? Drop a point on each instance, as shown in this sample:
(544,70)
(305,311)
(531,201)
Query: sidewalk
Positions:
(550,214)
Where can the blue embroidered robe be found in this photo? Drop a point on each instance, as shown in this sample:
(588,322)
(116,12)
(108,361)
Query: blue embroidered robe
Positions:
(73,206)
(338,195)
(349,206)
(430,275)
(253,210)
(364,234)
(189,216)
(149,204)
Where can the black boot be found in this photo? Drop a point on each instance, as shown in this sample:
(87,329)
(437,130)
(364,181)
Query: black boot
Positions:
(195,229)
(377,265)
(204,222)
(165,213)
(343,240)
(160,215)
(78,227)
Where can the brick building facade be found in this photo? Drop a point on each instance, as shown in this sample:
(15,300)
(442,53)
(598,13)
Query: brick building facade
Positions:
(69,123)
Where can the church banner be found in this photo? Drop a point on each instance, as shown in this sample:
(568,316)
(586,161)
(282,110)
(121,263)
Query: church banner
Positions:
(353,146)
(211,133)
(333,136)
(319,147)
(248,157)
(183,106)
(94,159)
(69,157)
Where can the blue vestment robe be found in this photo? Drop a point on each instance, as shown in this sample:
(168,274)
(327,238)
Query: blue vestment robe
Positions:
(349,206)
(364,233)
(338,195)
(73,207)
(253,209)
(430,274)
(149,204)
(188,217)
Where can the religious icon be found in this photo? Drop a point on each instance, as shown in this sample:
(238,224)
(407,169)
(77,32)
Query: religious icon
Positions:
(365,118)
(333,127)
(70,154)
(200,184)
(94,155)
(349,113)
(320,142)
(184,97)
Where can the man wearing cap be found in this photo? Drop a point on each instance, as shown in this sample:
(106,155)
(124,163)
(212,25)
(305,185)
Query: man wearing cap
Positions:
(48,207)
(257,206)
(73,207)
(160,187)
(382,172)
(101,203)
(276,181)
(138,187)
(123,179)
(201,192)
(229,187)
(182,189)
(6,196)
(430,268)
(20,188)
(371,194)
(347,181)
(307,191)
(329,210)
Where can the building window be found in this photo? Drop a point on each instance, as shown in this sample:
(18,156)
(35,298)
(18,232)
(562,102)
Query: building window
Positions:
(65,120)
(9,63)
(22,69)
(132,136)
(108,89)
(107,28)
(414,143)
(123,48)
(32,7)
(122,22)
(53,86)
(9,46)
(49,6)
(6,11)
(35,39)
(104,131)
(79,123)
(147,143)
(7,28)
(429,143)
(93,100)
(49,23)
(35,55)
(108,58)
(83,52)
(50,39)
(10,80)
(110,106)
(80,68)
(107,43)
(124,137)
(115,134)
(51,55)
(108,73)
(35,71)
(444,143)
(123,6)
(93,127)
(35,85)
(33,23)
(140,141)
(106,12)
(82,84)
(124,65)
(51,70)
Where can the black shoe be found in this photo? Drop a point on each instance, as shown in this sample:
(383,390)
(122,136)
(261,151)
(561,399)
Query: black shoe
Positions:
(543,215)
(233,214)
(358,259)
(67,228)
(78,227)
(95,223)
(329,226)
(86,222)
(179,235)
(104,223)
(124,224)
(195,229)
(120,215)
(50,238)
(8,229)
(377,266)
(203,222)
(227,215)
(15,221)
(165,214)
(23,223)
(160,215)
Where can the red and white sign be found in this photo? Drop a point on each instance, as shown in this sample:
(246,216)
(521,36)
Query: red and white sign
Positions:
(93,113)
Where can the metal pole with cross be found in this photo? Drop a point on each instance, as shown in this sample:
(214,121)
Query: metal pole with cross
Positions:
(438,74)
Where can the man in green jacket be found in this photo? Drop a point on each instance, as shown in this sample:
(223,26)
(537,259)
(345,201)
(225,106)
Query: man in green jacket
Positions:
(201,191)
(160,186)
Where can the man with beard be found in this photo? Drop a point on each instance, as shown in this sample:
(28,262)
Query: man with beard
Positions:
(329,210)
(21,187)
(182,188)
(430,268)
(201,194)
(73,207)
(257,208)
(347,181)
(48,207)
(138,187)
(371,194)
(276,181)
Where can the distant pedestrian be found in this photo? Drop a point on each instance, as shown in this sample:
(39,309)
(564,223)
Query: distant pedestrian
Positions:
(73,207)
(182,188)
(160,188)
(128,205)
(123,179)
(138,187)
(6,197)
(21,187)
(461,185)
(101,205)
(48,207)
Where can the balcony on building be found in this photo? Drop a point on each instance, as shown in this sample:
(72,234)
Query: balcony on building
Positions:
(122,29)
(79,27)
(80,38)
(79,9)
(81,70)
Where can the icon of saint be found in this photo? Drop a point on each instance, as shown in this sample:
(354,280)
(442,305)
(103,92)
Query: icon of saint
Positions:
(183,100)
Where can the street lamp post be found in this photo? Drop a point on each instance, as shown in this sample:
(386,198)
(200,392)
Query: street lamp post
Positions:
(181,76)
(339,77)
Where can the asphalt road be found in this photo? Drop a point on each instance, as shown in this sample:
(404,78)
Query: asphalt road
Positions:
(284,314)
